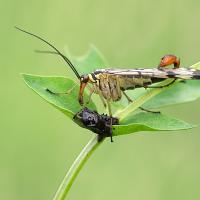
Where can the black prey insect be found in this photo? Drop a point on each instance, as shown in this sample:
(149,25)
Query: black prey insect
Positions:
(95,122)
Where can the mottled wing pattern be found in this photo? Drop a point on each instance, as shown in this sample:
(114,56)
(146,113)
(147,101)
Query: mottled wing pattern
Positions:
(182,73)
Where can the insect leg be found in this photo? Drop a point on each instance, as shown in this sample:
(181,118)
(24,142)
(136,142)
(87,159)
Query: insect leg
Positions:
(141,108)
(127,97)
(144,109)
(61,93)
(99,92)
(95,89)
(110,115)
(90,95)
(162,86)
(103,101)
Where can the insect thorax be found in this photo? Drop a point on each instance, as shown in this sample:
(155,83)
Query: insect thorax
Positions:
(110,86)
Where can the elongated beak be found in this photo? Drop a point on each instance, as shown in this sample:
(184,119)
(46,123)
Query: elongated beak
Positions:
(81,91)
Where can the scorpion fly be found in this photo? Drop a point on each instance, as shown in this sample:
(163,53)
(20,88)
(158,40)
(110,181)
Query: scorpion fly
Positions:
(111,84)
(98,123)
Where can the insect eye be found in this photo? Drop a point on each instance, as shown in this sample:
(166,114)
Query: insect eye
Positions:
(84,78)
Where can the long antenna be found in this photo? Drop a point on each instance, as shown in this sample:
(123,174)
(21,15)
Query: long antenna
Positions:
(58,52)
(48,52)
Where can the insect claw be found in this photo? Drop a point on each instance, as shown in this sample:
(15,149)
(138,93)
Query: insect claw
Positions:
(111,139)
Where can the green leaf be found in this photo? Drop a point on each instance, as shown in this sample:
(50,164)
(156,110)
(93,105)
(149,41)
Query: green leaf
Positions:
(67,103)
(196,66)
(89,62)
(181,92)
(149,122)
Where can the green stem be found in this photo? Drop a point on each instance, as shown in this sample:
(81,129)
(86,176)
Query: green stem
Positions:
(75,168)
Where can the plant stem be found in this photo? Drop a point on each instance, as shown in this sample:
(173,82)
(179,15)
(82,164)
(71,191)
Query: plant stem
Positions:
(75,168)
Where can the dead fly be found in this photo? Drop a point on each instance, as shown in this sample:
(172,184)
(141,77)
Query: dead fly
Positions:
(111,84)
(100,124)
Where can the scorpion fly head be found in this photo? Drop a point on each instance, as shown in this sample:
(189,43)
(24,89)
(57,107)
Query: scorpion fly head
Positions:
(84,79)
(169,60)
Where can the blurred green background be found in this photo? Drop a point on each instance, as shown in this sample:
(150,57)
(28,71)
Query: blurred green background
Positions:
(38,143)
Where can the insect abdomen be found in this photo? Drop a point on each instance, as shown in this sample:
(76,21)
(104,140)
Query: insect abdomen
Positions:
(131,83)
